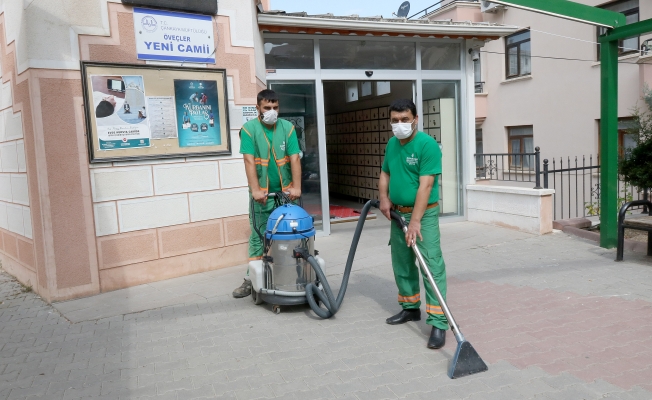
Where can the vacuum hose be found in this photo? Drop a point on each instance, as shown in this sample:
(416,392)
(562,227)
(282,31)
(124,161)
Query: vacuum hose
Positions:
(325,294)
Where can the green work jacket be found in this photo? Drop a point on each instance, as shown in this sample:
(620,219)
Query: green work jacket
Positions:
(263,151)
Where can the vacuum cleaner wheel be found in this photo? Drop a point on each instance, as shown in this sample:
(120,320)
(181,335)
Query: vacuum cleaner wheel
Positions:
(256,298)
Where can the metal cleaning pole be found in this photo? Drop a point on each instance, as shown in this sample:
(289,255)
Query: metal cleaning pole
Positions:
(447,312)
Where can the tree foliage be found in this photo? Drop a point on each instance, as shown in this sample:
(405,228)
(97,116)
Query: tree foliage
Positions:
(636,164)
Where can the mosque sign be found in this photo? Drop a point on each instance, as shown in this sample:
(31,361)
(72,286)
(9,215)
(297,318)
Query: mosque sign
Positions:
(174,36)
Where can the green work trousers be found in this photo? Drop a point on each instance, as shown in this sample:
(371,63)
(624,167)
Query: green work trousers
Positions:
(406,271)
(262,213)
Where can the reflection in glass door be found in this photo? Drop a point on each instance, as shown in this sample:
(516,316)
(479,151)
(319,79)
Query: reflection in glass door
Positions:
(297,105)
(440,111)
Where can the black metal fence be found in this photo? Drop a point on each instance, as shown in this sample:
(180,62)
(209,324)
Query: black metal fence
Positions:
(576,180)
(577,187)
(510,167)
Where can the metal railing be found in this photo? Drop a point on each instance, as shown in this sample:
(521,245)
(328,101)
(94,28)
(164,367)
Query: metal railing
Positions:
(441,3)
(576,180)
(577,187)
(510,167)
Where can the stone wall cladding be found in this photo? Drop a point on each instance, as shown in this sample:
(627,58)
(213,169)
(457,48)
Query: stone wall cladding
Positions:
(76,219)
(16,231)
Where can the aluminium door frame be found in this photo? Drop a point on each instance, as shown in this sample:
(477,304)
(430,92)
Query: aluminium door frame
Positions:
(466,111)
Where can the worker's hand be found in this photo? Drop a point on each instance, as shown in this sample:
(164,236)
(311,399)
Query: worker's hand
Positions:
(414,231)
(294,193)
(259,196)
(385,207)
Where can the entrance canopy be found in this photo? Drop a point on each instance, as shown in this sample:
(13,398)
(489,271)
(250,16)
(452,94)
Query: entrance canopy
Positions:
(328,24)
(336,77)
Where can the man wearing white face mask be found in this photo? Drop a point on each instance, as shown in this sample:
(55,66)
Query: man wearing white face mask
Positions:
(409,185)
(270,149)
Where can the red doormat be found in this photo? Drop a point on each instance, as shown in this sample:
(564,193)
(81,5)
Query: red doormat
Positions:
(338,213)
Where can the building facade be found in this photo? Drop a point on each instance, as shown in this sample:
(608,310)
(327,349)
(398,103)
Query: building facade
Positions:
(71,228)
(74,225)
(541,85)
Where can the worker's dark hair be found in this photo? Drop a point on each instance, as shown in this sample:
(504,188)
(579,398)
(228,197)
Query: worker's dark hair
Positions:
(268,95)
(104,109)
(401,105)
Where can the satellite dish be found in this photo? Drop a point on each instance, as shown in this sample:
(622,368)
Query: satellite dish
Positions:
(403,10)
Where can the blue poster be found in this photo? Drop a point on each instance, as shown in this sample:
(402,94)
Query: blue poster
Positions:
(198,119)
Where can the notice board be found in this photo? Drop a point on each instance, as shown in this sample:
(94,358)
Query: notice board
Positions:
(136,112)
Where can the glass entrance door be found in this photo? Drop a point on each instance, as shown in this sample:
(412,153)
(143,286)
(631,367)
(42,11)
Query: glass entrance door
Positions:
(440,120)
(297,104)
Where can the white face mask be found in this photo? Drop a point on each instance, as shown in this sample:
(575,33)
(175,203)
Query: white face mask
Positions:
(402,130)
(270,117)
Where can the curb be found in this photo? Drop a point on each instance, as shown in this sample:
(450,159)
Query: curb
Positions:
(630,245)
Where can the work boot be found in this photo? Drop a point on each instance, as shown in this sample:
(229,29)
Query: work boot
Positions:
(243,291)
(404,316)
(437,338)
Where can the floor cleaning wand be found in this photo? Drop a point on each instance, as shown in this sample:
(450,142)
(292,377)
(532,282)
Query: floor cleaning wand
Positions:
(466,360)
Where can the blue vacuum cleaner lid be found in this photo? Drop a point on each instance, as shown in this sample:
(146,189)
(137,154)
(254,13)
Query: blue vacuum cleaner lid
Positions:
(295,223)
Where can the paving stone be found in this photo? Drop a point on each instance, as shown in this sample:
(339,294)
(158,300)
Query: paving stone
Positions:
(203,392)
(380,393)
(214,346)
(83,392)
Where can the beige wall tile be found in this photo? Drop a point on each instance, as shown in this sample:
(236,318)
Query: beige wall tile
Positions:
(9,157)
(233,174)
(13,125)
(153,212)
(106,219)
(121,183)
(191,238)
(20,154)
(19,189)
(5,95)
(237,230)
(15,222)
(4,224)
(5,188)
(127,249)
(218,204)
(186,177)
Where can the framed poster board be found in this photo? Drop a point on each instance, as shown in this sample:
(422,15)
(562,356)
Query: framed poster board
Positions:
(138,112)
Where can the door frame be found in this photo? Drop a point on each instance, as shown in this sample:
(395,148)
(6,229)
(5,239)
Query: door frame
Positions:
(466,112)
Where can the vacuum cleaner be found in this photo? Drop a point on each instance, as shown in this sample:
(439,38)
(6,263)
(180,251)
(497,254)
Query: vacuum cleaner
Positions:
(291,272)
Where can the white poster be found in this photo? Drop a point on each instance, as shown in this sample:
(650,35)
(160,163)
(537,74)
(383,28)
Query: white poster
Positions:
(174,36)
(162,117)
(249,113)
(120,111)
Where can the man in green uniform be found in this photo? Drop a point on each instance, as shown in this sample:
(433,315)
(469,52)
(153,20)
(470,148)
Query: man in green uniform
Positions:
(270,149)
(409,185)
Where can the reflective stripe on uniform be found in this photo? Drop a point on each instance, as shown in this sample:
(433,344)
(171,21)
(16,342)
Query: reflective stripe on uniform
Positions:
(409,299)
(260,161)
(430,309)
(283,161)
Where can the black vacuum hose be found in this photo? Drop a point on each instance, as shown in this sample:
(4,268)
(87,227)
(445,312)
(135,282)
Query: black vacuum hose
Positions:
(326,294)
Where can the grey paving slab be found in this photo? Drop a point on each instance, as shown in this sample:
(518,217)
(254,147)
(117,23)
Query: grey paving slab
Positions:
(188,338)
